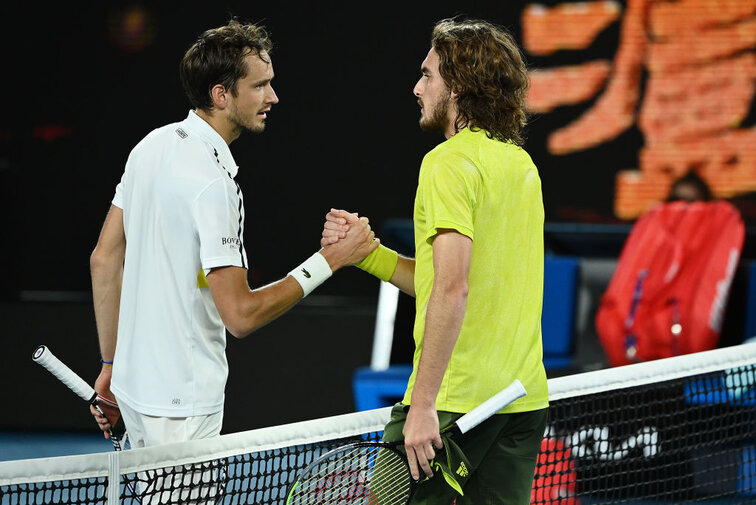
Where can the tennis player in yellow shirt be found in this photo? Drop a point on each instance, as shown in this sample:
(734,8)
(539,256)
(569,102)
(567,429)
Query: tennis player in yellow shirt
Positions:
(477,275)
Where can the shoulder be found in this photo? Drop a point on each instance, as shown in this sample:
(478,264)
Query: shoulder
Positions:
(517,153)
(168,141)
(451,158)
(193,149)
(157,136)
(185,153)
(495,154)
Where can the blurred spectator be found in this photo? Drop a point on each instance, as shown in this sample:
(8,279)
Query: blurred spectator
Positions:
(690,188)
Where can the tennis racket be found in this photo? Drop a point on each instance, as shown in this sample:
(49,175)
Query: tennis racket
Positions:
(47,359)
(208,482)
(377,473)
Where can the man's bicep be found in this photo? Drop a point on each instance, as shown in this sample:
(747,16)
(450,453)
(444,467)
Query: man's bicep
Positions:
(112,240)
(228,286)
(452,252)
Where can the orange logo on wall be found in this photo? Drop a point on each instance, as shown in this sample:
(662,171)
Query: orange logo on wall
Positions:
(700,67)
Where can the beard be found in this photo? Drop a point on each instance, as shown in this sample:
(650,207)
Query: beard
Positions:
(438,118)
(252,125)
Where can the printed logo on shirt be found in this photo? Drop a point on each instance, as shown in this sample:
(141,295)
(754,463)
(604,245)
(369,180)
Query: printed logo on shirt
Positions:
(232,242)
(181,133)
(306,273)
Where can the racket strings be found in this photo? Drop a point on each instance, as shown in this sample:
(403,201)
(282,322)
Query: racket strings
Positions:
(367,475)
(392,485)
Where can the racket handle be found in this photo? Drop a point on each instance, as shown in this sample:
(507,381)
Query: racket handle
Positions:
(491,406)
(47,359)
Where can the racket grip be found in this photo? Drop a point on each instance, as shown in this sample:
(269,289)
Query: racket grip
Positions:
(47,359)
(491,406)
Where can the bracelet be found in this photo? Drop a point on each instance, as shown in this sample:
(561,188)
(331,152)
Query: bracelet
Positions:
(312,273)
(381,263)
(105,362)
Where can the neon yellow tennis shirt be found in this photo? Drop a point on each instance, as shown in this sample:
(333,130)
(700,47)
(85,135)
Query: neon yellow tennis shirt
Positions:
(489,191)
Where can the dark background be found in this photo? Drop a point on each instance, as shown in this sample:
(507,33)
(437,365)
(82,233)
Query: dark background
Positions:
(344,134)
(80,92)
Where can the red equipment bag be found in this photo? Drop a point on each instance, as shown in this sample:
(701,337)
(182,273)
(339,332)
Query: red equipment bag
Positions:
(669,292)
(555,477)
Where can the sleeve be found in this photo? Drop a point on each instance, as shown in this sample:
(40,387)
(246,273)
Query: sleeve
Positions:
(450,194)
(219,220)
(118,196)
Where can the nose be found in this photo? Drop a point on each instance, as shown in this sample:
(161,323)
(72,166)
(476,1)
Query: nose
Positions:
(417,90)
(272,97)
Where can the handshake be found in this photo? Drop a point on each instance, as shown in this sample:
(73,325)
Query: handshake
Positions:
(346,239)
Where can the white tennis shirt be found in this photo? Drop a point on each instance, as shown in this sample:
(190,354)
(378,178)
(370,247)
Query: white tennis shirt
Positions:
(182,213)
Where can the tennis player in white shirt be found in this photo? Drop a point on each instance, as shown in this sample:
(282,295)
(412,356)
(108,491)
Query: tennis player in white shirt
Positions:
(169,272)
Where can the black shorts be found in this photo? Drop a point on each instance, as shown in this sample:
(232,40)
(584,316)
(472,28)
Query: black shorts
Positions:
(502,451)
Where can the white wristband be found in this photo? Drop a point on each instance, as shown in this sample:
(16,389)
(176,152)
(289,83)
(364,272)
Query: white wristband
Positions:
(312,273)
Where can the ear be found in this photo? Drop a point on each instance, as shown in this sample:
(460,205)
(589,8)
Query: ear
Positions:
(220,96)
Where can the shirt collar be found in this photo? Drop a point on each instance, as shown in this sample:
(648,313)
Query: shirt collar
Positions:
(208,133)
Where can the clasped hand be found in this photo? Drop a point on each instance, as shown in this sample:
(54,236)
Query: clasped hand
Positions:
(348,233)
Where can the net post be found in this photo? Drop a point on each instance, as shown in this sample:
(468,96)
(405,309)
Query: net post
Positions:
(388,300)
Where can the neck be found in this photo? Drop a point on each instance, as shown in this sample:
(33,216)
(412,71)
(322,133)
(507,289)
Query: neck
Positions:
(220,124)
(451,130)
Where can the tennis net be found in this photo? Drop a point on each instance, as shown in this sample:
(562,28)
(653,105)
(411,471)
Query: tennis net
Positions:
(677,430)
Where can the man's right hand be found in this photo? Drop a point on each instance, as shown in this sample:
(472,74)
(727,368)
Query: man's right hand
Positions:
(112,414)
(358,241)
(337,225)
(421,439)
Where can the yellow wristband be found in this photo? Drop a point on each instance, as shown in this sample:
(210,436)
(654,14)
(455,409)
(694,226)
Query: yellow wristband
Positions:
(381,263)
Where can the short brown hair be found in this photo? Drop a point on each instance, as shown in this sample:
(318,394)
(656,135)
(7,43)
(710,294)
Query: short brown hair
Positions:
(217,57)
(483,64)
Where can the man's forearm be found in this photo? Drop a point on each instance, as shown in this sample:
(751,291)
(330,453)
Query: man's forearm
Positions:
(106,293)
(444,313)
(404,275)
(242,310)
(106,269)
(444,316)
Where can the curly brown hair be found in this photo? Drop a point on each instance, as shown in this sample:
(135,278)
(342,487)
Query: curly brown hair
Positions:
(483,64)
(217,57)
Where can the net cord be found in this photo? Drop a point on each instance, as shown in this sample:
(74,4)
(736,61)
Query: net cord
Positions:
(639,374)
(150,458)
(97,465)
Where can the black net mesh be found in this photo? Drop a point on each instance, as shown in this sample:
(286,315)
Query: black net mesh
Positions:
(691,439)
(255,478)
(84,491)
(680,441)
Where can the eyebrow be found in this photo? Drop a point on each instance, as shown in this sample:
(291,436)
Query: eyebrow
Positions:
(425,70)
(262,82)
